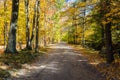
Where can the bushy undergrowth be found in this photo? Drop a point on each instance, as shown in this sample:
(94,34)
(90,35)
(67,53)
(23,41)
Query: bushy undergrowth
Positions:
(15,61)
(4,74)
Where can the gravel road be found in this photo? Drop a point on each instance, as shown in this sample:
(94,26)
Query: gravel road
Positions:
(62,63)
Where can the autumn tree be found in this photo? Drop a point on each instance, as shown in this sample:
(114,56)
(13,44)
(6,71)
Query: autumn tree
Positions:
(109,47)
(11,45)
(83,10)
(37,25)
(27,24)
(5,22)
(107,17)
(33,26)
(106,25)
(97,17)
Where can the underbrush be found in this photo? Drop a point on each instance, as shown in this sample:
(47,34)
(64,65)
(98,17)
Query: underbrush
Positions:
(15,61)
(109,71)
(4,74)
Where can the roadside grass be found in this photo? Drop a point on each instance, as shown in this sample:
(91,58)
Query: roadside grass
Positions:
(15,61)
(4,74)
(109,71)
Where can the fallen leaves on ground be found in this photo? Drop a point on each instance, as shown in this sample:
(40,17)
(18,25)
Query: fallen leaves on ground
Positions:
(110,71)
(11,61)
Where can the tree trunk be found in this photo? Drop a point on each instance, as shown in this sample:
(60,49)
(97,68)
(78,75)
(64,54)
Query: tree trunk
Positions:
(37,26)
(45,43)
(109,48)
(27,25)
(84,19)
(33,27)
(102,36)
(5,22)
(11,45)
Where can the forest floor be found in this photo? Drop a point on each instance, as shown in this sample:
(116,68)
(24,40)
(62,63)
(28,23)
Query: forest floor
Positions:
(111,71)
(61,63)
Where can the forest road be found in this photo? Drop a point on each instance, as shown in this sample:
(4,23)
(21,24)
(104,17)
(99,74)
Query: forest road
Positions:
(62,63)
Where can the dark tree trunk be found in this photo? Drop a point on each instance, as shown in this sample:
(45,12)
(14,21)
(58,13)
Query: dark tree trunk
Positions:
(27,25)
(11,46)
(102,36)
(37,26)
(33,27)
(109,48)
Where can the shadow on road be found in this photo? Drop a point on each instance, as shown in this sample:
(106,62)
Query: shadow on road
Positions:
(62,63)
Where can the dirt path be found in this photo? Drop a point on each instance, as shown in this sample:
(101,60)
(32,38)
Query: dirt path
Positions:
(63,63)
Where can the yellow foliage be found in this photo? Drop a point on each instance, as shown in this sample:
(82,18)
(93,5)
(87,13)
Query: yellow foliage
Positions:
(81,4)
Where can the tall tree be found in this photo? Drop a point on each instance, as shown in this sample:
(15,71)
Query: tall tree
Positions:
(11,45)
(84,22)
(45,44)
(104,21)
(5,22)
(109,47)
(37,26)
(98,14)
(33,26)
(27,25)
